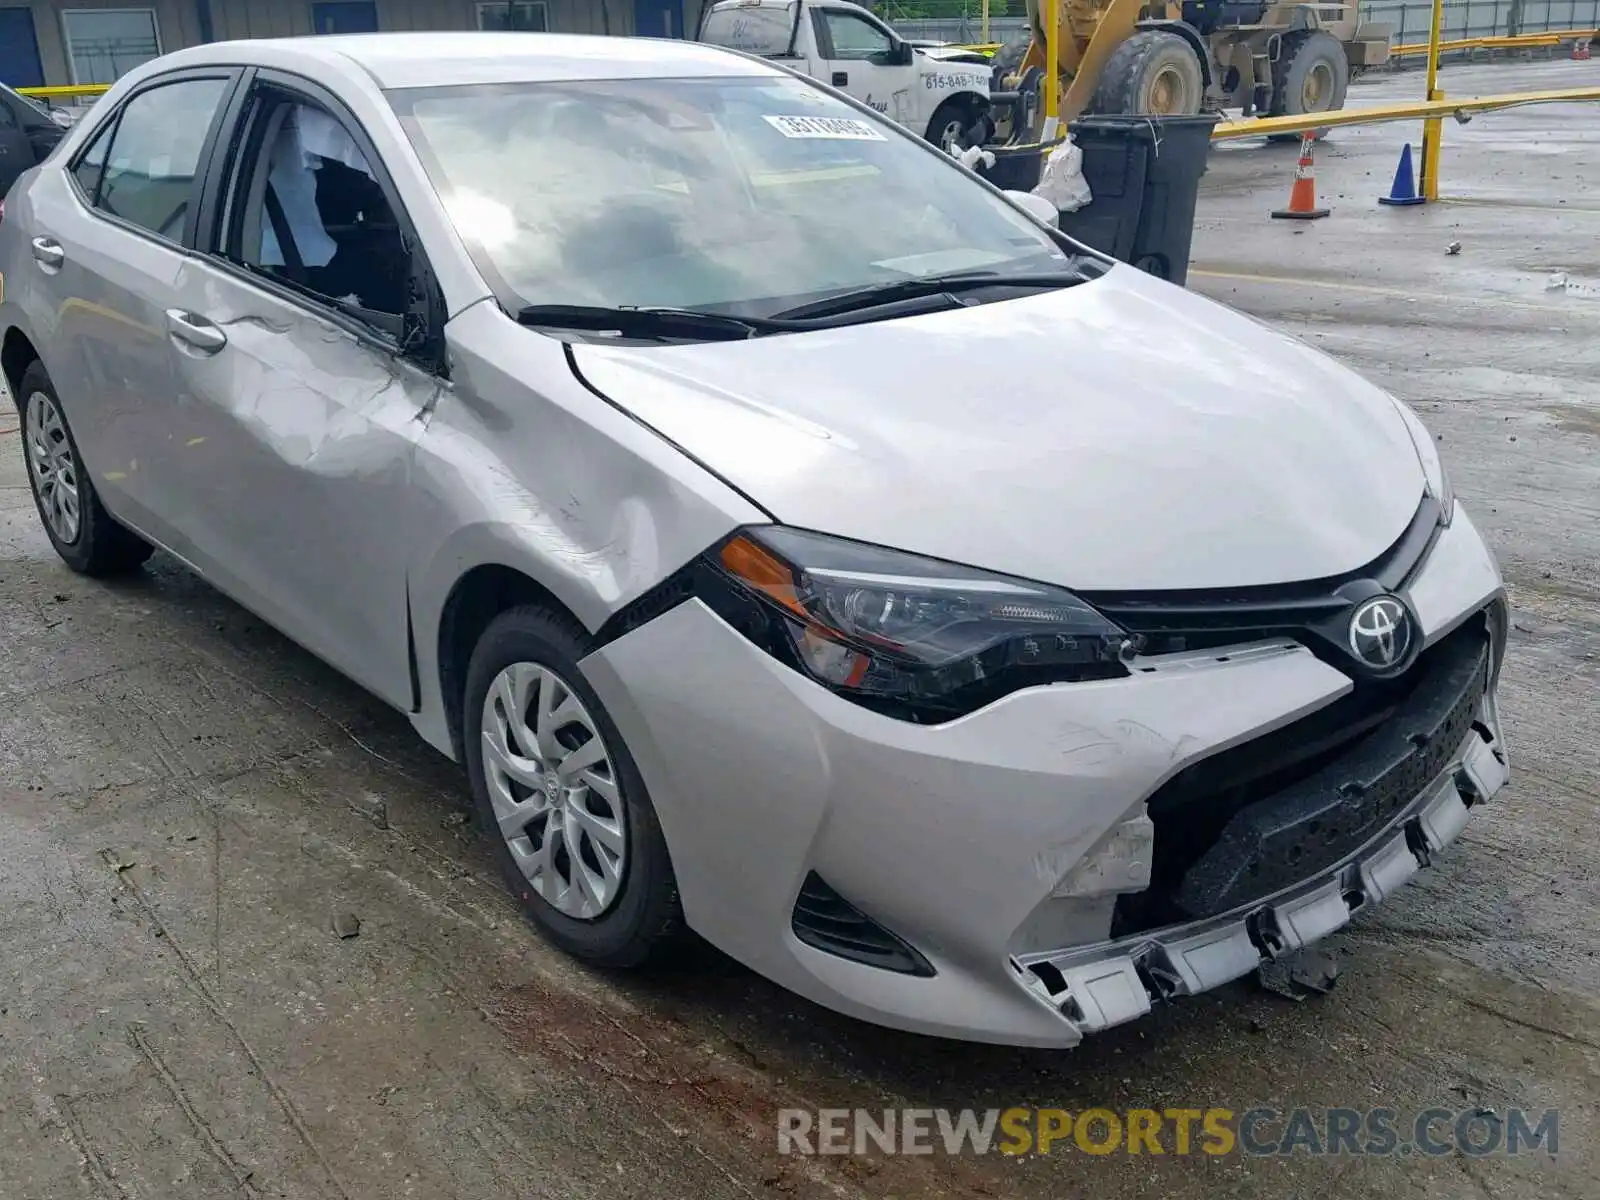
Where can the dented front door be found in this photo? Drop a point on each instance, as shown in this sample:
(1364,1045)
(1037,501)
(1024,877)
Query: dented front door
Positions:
(293,446)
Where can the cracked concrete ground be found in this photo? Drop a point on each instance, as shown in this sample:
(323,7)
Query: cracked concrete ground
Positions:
(187,801)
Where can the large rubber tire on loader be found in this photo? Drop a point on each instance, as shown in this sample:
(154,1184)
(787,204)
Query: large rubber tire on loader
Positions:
(1153,73)
(1312,74)
(1009,57)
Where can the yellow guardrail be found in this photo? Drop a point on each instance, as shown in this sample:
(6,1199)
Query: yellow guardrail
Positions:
(1409,110)
(1508,42)
(61,93)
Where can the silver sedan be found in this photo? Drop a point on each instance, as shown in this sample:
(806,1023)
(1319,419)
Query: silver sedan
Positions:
(798,540)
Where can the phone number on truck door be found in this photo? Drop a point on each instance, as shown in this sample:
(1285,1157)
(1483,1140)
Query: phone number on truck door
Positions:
(956,83)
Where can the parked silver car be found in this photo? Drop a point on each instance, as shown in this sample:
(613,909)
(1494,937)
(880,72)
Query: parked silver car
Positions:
(797,541)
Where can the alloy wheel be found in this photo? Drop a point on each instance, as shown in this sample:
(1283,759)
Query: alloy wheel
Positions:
(53,467)
(553,786)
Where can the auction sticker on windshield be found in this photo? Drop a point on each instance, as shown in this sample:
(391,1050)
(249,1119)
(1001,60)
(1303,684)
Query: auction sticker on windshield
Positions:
(843,128)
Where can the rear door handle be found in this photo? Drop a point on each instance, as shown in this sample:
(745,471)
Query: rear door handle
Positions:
(841,78)
(47,252)
(194,330)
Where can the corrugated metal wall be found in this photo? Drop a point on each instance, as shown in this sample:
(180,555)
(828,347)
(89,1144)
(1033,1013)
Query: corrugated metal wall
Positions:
(961,20)
(1482,18)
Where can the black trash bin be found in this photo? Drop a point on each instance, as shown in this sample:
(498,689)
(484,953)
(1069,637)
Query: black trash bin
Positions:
(1016,168)
(1144,174)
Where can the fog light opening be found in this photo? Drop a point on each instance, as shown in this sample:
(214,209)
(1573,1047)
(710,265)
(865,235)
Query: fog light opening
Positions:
(1054,982)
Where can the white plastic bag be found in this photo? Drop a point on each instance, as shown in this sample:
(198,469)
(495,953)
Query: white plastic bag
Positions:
(971,156)
(1062,182)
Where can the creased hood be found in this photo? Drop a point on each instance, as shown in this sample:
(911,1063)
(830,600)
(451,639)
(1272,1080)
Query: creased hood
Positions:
(1122,434)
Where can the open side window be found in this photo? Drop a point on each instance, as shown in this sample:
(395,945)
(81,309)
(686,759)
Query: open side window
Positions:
(309,208)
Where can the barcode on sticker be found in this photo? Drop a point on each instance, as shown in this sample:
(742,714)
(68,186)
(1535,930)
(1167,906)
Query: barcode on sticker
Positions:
(846,128)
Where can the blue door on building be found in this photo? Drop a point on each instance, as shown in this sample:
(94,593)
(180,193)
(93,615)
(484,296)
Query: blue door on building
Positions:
(19,50)
(344,16)
(658,18)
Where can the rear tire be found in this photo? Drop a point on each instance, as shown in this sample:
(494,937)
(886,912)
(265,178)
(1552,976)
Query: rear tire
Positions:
(1007,60)
(1152,73)
(85,535)
(581,849)
(1312,75)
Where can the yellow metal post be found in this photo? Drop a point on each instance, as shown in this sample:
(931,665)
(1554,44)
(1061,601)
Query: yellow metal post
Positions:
(1052,68)
(1433,128)
(985,20)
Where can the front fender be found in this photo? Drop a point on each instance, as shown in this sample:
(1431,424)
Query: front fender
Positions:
(524,467)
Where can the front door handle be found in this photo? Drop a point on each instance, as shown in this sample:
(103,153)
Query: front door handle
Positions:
(841,78)
(194,330)
(47,252)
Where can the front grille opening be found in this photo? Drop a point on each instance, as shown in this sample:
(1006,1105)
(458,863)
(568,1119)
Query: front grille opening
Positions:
(826,921)
(1192,811)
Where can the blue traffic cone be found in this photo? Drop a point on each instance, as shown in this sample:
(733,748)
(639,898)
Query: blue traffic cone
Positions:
(1404,189)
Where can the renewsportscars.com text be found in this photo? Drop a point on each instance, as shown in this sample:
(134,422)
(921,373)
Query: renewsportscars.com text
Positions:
(1260,1131)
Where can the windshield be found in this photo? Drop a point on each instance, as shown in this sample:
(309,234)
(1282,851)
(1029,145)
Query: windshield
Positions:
(743,195)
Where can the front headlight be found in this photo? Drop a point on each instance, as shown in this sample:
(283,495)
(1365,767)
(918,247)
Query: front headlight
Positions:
(1432,465)
(917,637)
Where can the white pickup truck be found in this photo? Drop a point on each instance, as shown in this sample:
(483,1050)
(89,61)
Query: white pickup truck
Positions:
(943,95)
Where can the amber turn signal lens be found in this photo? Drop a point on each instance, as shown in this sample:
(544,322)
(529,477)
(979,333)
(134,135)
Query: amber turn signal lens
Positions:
(762,570)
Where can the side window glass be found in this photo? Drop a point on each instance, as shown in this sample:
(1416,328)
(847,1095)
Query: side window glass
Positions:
(148,174)
(854,38)
(92,162)
(309,210)
(8,119)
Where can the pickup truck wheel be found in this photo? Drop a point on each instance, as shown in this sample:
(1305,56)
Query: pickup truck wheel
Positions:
(1152,73)
(1311,75)
(950,124)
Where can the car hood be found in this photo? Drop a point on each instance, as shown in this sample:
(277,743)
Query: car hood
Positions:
(1121,434)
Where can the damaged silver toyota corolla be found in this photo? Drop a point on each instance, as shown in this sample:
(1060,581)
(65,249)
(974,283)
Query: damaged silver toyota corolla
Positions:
(797,542)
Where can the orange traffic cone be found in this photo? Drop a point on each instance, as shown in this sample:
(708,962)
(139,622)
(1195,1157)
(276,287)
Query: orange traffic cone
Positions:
(1303,195)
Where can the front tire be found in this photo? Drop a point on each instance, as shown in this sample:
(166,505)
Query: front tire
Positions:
(1152,73)
(84,534)
(950,124)
(560,798)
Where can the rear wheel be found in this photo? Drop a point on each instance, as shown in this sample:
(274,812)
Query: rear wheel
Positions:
(85,535)
(1152,73)
(1312,75)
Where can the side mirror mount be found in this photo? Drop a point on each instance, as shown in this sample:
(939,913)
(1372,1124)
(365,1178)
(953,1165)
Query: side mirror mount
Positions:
(902,54)
(1035,206)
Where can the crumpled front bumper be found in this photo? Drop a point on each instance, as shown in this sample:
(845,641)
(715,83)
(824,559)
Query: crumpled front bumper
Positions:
(1096,987)
(995,844)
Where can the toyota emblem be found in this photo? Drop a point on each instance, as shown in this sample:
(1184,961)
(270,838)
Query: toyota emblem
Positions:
(1380,633)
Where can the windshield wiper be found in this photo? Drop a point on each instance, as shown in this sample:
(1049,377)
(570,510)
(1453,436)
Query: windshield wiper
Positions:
(923,285)
(651,322)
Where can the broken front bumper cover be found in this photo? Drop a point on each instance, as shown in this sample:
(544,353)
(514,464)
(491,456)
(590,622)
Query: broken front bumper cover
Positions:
(1096,987)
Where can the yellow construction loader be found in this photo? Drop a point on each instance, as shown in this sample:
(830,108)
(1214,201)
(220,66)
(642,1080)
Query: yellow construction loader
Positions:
(1160,57)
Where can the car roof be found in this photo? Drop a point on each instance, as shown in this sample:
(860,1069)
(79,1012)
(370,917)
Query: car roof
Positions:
(412,60)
